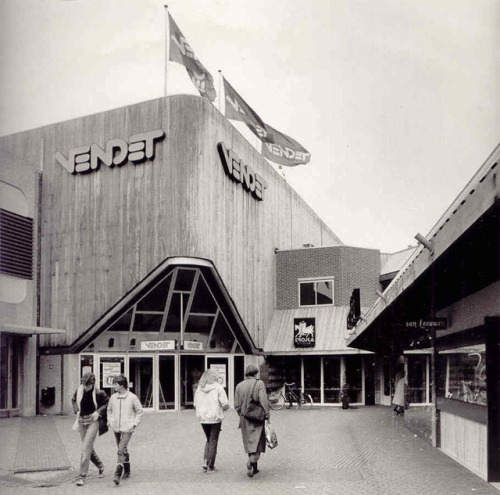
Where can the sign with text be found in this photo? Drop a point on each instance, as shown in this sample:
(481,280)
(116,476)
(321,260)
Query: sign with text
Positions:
(304,332)
(192,345)
(109,371)
(158,345)
(428,324)
(84,159)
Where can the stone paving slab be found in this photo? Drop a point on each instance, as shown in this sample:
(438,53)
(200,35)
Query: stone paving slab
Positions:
(322,451)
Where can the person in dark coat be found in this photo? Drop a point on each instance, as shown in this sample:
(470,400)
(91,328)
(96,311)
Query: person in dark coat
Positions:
(90,404)
(253,434)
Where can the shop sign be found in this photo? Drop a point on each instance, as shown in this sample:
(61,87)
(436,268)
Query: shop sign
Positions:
(84,159)
(304,332)
(241,173)
(428,324)
(192,345)
(158,345)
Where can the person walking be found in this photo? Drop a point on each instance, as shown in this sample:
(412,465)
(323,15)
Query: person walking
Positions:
(90,404)
(253,434)
(210,402)
(124,415)
(399,394)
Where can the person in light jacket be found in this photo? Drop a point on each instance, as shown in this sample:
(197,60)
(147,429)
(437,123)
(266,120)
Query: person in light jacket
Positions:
(90,405)
(210,402)
(399,394)
(124,415)
(253,434)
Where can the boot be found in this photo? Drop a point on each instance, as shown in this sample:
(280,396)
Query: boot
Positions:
(126,467)
(255,470)
(118,474)
(250,469)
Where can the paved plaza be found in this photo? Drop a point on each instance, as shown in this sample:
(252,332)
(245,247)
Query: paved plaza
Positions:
(322,451)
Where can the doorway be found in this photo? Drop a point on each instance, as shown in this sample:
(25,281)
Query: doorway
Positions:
(192,367)
(141,379)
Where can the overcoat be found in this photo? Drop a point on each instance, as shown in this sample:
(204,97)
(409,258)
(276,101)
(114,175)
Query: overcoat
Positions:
(253,435)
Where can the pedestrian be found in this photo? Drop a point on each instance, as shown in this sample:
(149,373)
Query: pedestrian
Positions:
(399,394)
(210,402)
(124,415)
(252,433)
(90,404)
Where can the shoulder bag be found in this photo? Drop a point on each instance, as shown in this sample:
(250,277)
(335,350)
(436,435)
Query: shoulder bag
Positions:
(254,411)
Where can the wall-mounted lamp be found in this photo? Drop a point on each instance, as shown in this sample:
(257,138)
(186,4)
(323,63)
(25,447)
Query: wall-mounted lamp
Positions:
(427,244)
(379,294)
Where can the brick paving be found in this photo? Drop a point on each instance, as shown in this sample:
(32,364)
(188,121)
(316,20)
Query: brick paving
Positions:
(322,451)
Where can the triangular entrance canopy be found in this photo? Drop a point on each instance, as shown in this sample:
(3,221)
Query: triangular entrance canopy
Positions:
(182,301)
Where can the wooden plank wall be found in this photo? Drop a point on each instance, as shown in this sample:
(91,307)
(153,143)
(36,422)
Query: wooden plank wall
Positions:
(105,231)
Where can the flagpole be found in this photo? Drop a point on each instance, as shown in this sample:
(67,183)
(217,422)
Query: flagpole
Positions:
(166,49)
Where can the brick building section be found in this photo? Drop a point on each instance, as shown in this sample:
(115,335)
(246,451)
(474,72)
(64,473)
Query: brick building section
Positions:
(351,267)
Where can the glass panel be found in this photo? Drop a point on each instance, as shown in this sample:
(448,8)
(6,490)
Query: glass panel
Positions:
(239,370)
(222,338)
(353,377)
(331,375)
(145,322)
(4,363)
(174,313)
(184,279)
(109,368)
(324,292)
(464,370)
(167,382)
(307,295)
(312,377)
(221,366)
(156,299)
(203,302)
(86,364)
(16,351)
(141,379)
(416,378)
(123,323)
(192,368)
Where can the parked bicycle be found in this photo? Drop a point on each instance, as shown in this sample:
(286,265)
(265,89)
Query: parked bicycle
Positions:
(287,395)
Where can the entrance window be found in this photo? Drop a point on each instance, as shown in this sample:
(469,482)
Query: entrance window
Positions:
(331,376)
(141,379)
(109,368)
(166,383)
(353,377)
(86,364)
(417,378)
(312,377)
(192,368)
(10,348)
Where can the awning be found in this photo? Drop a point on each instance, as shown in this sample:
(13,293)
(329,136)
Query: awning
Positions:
(331,332)
(28,330)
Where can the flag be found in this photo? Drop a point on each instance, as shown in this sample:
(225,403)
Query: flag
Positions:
(284,150)
(238,109)
(181,52)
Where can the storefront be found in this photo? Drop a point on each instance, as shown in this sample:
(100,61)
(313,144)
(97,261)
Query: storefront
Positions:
(445,302)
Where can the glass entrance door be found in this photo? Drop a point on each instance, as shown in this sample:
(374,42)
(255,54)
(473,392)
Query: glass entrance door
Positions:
(166,382)
(221,364)
(192,367)
(141,379)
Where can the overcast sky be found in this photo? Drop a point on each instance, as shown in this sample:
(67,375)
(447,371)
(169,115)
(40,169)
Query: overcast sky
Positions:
(397,101)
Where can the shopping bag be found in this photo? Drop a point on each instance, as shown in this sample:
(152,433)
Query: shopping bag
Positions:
(271,437)
(75,424)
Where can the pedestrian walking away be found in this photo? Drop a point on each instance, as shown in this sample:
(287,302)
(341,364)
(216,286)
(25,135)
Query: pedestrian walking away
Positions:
(90,405)
(252,390)
(210,402)
(399,394)
(124,415)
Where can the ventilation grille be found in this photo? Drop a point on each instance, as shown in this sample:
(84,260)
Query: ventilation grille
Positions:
(16,245)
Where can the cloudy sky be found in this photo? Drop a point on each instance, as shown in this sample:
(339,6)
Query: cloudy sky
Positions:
(397,101)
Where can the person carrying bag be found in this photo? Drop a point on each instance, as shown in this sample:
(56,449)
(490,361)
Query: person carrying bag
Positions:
(252,406)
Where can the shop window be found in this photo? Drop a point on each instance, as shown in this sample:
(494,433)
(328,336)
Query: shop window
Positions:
(110,367)
(331,377)
(354,377)
(316,292)
(86,364)
(462,374)
(417,374)
(312,378)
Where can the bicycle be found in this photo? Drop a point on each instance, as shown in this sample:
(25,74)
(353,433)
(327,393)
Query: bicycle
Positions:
(286,395)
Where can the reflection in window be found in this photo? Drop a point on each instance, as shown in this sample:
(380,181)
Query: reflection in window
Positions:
(316,293)
(462,374)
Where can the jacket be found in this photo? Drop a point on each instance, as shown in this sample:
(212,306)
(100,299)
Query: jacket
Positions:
(100,400)
(210,403)
(124,412)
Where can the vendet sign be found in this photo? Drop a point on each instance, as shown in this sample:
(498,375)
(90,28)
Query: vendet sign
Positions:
(84,159)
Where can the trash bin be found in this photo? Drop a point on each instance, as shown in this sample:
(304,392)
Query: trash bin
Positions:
(48,396)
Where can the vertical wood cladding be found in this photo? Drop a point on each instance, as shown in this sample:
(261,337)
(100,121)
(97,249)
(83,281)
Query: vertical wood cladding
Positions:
(351,267)
(104,231)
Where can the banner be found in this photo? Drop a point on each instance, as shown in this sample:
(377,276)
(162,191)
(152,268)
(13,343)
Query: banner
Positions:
(284,150)
(238,109)
(181,52)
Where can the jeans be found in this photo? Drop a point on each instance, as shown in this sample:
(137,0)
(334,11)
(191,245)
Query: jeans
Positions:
(212,431)
(122,440)
(88,432)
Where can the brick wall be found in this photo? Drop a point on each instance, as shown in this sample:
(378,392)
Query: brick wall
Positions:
(351,267)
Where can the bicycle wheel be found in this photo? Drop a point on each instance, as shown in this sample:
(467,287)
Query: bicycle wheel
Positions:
(306,401)
(276,400)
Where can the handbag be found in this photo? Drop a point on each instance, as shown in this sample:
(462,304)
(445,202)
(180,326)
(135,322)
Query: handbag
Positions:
(103,424)
(254,411)
(271,437)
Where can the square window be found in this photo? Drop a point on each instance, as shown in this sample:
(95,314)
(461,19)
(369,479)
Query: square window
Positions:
(316,293)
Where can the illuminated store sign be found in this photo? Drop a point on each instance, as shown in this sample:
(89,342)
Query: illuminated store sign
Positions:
(86,159)
(239,172)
